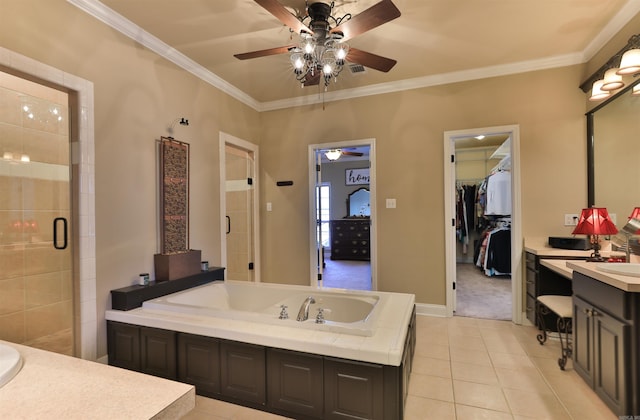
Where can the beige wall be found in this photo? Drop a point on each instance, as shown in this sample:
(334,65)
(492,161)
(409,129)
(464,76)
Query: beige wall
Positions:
(138,94)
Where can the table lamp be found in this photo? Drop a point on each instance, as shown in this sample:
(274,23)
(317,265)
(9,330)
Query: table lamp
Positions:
(595,221)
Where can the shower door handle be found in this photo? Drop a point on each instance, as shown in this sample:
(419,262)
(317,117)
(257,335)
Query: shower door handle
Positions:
(65,238)
(228,225)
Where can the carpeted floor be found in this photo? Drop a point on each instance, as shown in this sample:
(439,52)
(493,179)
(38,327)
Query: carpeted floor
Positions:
(347,274)
(479,296)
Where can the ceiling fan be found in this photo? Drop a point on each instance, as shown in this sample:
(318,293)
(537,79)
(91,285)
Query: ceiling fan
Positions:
(334,154)
(323,50)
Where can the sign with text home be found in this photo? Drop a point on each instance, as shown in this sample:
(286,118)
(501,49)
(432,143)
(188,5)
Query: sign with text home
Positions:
(357,176)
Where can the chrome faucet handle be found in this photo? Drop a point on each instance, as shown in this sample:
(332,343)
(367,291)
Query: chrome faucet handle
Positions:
(320,316)
(283,312)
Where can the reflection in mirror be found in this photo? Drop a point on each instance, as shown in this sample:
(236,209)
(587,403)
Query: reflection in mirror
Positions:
(358,203)
(614,179)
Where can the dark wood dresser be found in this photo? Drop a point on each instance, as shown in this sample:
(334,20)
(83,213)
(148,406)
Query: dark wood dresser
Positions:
(350,239)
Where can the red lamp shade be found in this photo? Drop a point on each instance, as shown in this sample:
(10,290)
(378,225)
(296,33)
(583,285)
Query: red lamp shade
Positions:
(635,214)
(595,221)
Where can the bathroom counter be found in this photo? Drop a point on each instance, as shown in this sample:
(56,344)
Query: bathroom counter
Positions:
(55,386)
(558,266)
(625,283)
(541,248)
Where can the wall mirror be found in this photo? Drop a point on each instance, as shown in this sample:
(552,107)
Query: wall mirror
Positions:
(613,151)
(358,203)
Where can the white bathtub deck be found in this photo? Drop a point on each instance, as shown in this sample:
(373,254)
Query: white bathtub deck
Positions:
(385,346)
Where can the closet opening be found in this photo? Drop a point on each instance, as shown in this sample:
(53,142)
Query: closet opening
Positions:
(482,252)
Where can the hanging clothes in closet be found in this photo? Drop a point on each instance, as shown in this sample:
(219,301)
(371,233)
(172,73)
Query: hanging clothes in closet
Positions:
(493,255)
(465,213)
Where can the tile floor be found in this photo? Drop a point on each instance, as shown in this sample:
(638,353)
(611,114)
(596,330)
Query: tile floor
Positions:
(468,368)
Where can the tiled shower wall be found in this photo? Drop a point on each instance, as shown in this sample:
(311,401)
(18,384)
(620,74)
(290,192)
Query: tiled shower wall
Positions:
(36,282)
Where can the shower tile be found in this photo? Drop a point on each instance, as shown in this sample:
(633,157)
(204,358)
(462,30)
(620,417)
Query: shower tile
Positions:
(42,289)
(12,296)
(12,327)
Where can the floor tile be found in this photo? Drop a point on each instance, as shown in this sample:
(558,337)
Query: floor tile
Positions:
(465,412)
(501,373)
(418,408)
(432,387)
(480,395)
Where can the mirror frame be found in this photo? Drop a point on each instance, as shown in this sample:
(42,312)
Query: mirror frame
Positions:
(591,142)
(349,215)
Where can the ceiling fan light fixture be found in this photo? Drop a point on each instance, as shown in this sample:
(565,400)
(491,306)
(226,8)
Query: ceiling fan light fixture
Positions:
(630,62)
(333,154)
(612,80)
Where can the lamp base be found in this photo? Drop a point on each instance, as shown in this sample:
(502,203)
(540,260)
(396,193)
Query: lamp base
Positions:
(596,258)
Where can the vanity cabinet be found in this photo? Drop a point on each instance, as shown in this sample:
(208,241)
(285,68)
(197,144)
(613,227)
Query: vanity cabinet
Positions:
(541,280)
(350,239)
(606,323)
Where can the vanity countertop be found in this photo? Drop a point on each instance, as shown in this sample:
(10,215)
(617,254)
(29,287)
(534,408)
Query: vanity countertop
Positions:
(55,386)
(626,283)
(540,247)
(558,266)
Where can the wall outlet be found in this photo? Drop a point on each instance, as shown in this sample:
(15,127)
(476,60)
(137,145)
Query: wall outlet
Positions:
(570,219)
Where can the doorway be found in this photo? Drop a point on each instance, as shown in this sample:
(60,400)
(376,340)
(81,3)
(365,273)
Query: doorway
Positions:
(36,240)
(239,189)
(342,221)
(472,229)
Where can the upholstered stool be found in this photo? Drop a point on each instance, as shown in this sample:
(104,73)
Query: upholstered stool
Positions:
(562,306)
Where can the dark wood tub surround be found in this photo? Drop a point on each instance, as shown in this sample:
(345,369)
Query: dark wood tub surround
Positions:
(286,382)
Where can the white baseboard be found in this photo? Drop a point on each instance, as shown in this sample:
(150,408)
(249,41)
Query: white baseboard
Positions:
(104,360)
(431,310)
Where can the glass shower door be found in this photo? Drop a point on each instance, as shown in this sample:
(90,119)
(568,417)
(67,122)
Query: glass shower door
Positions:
(36,281)
(239,188)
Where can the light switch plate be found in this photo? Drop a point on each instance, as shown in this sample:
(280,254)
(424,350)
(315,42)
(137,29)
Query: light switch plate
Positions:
(269,207)
(391,203)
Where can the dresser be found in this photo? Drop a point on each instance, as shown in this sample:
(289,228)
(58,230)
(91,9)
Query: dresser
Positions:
(350,239)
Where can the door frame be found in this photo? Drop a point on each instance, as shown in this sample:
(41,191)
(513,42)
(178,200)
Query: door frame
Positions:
(516,215)
(225,139)
(313,256)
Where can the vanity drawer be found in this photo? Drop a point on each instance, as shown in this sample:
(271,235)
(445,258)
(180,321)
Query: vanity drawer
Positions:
(608,298)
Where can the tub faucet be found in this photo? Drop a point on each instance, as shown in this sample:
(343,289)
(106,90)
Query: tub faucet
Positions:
(303,313)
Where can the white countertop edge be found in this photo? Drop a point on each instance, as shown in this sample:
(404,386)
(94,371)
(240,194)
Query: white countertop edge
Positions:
(384,347)
(626,283)
(558,266)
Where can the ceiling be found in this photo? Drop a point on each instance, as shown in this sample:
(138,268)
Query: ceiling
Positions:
(434,41)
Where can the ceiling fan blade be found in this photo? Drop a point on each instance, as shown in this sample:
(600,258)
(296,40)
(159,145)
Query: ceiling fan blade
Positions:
(347,153)
(370,60)
(279,11)
(263,53)
(314,80)
(373,17)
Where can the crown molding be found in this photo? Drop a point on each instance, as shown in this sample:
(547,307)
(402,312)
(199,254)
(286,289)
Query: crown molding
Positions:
(123,25)
(118,22)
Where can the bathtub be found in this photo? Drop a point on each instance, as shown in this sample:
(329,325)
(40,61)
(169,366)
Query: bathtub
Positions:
(345,312)
(367,326)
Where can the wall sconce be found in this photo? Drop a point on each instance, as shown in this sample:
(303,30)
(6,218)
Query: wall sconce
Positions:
(609,77)
(595,221)
(597,93)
